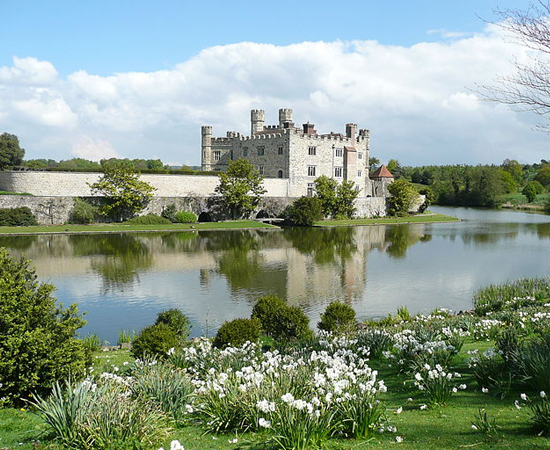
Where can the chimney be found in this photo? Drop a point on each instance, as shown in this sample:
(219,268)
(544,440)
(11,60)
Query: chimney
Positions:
(309,129)
(351,129)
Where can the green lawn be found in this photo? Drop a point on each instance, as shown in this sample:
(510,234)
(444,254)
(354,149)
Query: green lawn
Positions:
(121,227)
(420,218)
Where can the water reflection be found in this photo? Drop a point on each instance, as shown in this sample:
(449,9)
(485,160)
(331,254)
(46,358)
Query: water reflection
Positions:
(123,280)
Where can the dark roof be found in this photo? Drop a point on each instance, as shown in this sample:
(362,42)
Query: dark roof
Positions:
(381,172)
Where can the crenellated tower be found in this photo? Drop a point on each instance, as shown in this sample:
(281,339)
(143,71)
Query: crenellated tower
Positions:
(257,119)
(206,146)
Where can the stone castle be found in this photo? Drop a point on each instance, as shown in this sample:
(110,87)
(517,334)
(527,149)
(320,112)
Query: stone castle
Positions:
(299,154)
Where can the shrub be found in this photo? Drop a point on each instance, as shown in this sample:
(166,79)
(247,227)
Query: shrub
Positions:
(266,310)
(37,336)
(148,219)
(236,332)
(532,360)
(83,212)
(186,217)
(402,196)
(155,340)
(337,318)
(178,322)
(17,217)
(305,211)
(169,212)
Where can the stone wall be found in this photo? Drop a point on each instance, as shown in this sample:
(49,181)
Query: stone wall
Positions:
(75,184)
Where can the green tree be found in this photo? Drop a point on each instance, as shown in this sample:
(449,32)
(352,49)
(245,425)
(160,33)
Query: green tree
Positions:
(402,195)
(325,191)
(37,336)
(346,193)
(394,166)
(10,152)
(514,168)
(125,194)
(543,176)
(240,187)
(305,211)
(532,189)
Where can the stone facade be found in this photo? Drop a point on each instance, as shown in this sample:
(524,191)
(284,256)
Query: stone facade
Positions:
(299,155)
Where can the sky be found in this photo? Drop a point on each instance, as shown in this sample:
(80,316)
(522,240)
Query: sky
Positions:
(137,79)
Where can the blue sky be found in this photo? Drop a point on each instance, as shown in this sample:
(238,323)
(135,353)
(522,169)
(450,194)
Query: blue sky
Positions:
(138,78)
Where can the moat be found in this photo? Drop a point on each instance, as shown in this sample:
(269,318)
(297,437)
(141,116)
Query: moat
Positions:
(123,280)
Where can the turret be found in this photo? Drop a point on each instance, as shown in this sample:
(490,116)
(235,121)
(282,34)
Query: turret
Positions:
(351,130)
(206,146)
(285,116)
(257,118)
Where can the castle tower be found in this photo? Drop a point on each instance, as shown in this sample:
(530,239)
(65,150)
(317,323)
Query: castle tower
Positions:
(206,146)
(257,118)
(285,115)
(351,130)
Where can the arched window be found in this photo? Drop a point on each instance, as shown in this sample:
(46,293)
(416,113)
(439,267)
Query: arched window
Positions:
(280,174)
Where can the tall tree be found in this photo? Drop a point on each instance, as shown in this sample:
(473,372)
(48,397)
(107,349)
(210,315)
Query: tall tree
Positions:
(529,88)
(240,188)
(125,194)
(11,154)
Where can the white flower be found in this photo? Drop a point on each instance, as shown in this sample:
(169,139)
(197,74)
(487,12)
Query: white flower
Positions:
(418,376)
(398,439)
(264,423)
(484,390)
(516,404)
(399,410)
(523,397)
(287,398)
(462,387)
(410,399)
(175,445)
(423,407)
(233,441)
(542,394)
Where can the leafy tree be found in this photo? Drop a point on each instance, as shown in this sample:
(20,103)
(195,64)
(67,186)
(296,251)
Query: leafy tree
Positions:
(508,182)
(543,176)
(78,163)
(346,193)
(325,191)
(240,187)
(402,195)
(532,189)
(10,152)
(337,200)
(305,211)
(37,336)
(125,194)
(394,166)
(514,168)
(373,163)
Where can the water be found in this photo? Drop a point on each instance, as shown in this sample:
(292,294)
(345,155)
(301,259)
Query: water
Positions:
(123,280)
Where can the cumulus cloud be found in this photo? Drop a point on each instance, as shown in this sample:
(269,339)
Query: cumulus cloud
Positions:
(419,102)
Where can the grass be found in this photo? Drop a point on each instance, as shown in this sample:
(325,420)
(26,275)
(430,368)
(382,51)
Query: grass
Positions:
(420,218)
(519,201)
(122,227)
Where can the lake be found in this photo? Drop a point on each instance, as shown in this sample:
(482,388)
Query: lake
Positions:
(123,280)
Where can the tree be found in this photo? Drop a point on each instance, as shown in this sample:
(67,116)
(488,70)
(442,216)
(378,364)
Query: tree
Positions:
(402,195)
(37,336)
(514,168)
(125,194)
(529,88)
(240,187)
(10,152)
(337,200)
(346,193)
(394,166)
(325,191)
(305,211)
(543,176)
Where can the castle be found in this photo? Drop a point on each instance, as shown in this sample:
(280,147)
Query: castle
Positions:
(298,154)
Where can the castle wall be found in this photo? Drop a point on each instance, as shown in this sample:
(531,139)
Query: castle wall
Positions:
(74,184)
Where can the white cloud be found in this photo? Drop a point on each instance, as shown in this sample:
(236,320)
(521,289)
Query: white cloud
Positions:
(419,101)
(93,149)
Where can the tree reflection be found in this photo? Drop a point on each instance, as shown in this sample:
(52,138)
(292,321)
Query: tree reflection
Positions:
(400,237)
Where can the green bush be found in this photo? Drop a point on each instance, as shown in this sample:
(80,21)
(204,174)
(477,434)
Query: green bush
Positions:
(17,217)
(186,217)
(37,336)
(337,318)
(280,321)
(169,212)
(236,332)
(178,322)
(304,212)
(148,219)
(83,212)
(155,340)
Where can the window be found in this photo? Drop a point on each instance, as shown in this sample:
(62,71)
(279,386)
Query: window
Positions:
(310,189)
(338,172)
(261,170)
(339,152)
(261,151)
(280,174)
(280,150)
(360,155)
(312,151)
(245,151)
(217,155)
(311,171)
(359,173)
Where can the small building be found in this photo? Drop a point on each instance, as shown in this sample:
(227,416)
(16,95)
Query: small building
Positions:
(381,178)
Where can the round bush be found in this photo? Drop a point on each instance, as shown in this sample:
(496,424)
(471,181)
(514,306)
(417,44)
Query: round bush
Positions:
(305,211)
(37,336)
(178,322)
(149,219)
(17,217)
(266,310)
(154,340)
(236,332)
(83,212)
(337,318)
(186,217)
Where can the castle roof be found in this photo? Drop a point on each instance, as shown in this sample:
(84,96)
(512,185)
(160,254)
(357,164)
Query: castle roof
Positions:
(381,172)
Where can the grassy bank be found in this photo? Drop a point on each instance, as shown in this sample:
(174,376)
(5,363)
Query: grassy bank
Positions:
(127,228)
(420,218)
